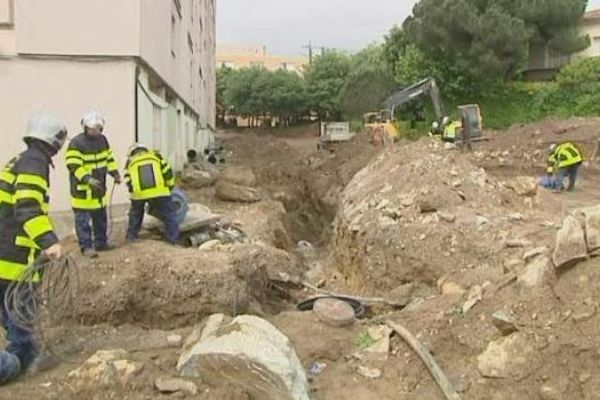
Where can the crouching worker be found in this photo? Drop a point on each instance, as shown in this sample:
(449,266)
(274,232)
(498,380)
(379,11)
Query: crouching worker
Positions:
(566,159)
(150,179)
(26,230)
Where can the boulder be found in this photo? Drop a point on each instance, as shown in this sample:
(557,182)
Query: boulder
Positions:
(591,219)
(536,273)
(242,176)
(334,312)
(523,185)
(533,253)
(199,175)
(174,385)
(228,191)
(571,247)
(108,369)
(508,357)
(245,353)
(504,322)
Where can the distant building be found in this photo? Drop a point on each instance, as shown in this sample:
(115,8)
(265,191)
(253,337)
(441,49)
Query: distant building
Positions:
(544,63)
(148,65)
(591,27)
(240,56)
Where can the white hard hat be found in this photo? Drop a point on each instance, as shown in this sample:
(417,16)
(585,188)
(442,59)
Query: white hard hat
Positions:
(446,120)
(93,119)
(136,146)
(552,148)
(435,125)
(47,129)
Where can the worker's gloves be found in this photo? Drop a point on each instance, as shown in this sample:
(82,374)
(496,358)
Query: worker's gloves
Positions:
(98,188)
(117,177)
(53,252)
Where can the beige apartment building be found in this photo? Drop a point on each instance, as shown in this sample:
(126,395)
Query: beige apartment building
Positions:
(591,27)
(244,56)
(148,65)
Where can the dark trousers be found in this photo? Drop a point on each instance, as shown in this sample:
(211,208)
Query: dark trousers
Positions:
(88,221)
(21,343)
(568,172)
(163,208)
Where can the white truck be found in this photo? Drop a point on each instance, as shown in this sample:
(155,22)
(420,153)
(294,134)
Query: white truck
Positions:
(332,134)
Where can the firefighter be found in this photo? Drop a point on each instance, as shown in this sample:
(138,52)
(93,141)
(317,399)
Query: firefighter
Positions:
(150,179)
(567,158)
(89,158)
(26,229)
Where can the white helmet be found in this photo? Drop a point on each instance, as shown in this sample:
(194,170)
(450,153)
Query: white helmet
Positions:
(435,125)
(135,147)
(445,120)
(552,148)
(47,129)
(93,119)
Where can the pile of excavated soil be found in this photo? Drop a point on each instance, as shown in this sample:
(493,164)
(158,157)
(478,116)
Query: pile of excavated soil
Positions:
(418,213)
(158,285)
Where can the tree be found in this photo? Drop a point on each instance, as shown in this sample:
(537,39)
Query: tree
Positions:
(492,38)
(368,83)
(325,78)
(288,96)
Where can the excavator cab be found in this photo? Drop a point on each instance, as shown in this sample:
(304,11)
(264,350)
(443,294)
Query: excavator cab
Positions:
(471,121)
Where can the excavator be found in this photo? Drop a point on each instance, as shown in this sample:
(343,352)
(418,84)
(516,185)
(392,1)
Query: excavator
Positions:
(383,120)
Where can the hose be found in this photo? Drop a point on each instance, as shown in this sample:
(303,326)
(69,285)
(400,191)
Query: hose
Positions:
(52,296)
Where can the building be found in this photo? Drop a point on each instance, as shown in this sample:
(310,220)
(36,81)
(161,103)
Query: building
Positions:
(239,56)
(591,27)
(544,63)
(148,65)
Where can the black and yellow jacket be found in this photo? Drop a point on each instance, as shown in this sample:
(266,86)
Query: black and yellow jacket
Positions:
(24,222)
(148,175)
(89,156)
(565,155)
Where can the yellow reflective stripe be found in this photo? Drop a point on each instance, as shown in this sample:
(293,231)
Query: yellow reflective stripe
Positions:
(74,154)
(88,204)
(29,194)
(151,193)
(24,241)
(37,226)
(170,182)
(74,161)
(7,176)
(6,197)
(32,180)
(81,172)
(11,271)
(112,166)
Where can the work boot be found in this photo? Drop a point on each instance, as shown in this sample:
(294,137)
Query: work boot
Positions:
(106,247)
(10,367)
(89,253)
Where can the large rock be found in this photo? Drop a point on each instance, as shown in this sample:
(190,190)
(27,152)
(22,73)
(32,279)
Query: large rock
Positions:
(523,185)
(570,246)
(108,369)
(591,220)
(239,175)
(246,353)
(200,175)
(228,191)
(536,273)
(508,357)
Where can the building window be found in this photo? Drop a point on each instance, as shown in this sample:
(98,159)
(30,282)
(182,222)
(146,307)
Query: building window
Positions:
(190,42)
(173,36)
(200,72)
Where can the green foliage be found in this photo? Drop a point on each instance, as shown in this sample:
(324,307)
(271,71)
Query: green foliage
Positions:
(325,79)
(368,83)
(364,341)
(487,38)
(580,72)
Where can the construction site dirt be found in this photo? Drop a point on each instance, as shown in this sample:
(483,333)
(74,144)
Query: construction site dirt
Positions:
(461,246)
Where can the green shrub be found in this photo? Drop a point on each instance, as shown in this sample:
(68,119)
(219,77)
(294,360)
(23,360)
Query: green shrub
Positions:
(580,72)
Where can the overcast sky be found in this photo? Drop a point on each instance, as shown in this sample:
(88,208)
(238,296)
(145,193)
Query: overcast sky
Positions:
(284,26)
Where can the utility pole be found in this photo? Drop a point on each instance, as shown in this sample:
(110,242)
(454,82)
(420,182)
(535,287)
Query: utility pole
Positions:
(310,52)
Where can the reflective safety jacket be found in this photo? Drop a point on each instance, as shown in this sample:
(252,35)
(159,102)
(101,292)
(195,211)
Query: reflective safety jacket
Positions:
(89,156)
(25,227)
(148,175)
(450,130)
(566,155)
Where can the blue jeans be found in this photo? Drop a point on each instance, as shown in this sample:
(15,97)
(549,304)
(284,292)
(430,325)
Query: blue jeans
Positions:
(161,207)
(98,221)
(21,343)
(568,172)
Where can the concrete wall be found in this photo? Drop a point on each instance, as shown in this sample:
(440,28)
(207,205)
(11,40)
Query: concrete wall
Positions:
(75,27)
(67,89)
